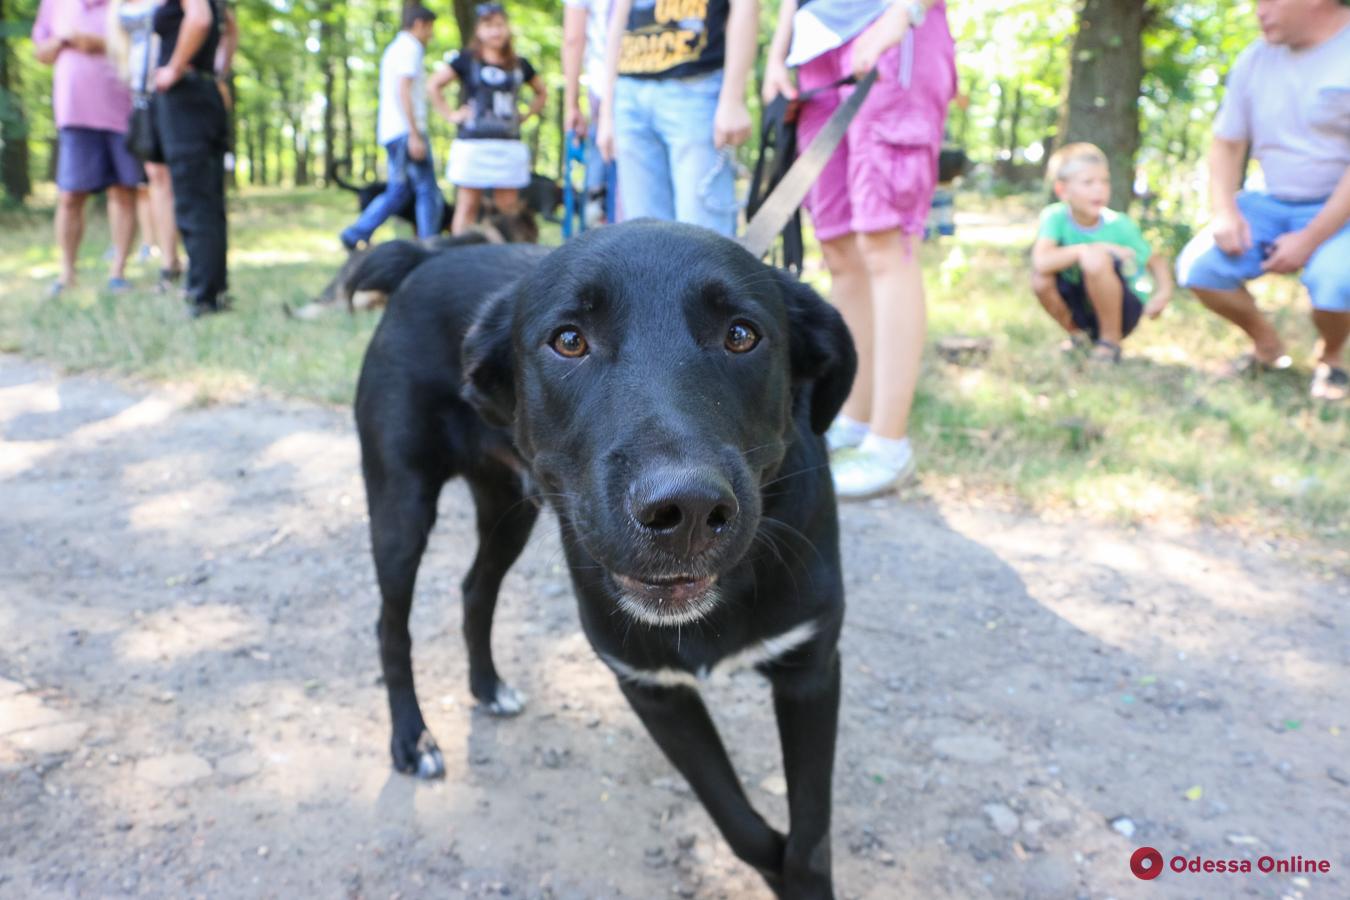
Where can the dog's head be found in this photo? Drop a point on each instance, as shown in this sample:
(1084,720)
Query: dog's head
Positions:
(653,376)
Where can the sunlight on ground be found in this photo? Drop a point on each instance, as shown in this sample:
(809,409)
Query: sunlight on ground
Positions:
(180,631)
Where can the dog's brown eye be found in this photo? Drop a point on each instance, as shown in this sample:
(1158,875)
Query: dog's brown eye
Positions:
(568,342)
(741,338)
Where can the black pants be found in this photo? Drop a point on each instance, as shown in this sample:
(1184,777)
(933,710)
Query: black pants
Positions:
(192,127)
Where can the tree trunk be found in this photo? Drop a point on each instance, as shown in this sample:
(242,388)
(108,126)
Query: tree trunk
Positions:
(346,102)
(465,18)
(1014,120)
(13,124)
(327,48)
(1106,69)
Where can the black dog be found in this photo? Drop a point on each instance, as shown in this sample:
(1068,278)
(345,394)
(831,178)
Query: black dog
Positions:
(665,392)
(541,196)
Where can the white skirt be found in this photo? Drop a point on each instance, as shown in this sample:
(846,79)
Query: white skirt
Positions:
(488,163)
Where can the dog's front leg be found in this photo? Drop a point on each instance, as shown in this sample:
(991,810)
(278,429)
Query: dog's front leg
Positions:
(806,701)
(679,722)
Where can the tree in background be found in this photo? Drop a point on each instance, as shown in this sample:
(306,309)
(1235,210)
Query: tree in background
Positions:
(1106,71)
(13,123)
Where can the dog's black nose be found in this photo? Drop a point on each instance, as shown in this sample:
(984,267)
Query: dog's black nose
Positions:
(683,510)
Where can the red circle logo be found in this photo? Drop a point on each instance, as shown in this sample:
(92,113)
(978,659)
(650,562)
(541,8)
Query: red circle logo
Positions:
(1146,864)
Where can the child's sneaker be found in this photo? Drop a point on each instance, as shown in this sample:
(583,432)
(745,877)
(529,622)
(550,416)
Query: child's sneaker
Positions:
(844,433)
(876,467)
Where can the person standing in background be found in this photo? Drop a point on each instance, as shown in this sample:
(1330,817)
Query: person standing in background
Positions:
(488,153)
(871,202)
(674,106)
(402,132)
(134,50)
(91,106)
(585,30)
(192,125)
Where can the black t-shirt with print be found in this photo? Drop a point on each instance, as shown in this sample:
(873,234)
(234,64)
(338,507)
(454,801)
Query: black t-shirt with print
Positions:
(493,95)
(674,38)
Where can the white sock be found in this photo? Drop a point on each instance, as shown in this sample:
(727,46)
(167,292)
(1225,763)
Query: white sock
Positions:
(895,452)
(850,429)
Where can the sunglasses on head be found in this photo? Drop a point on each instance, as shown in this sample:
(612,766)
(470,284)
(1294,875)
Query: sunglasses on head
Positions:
(483,10)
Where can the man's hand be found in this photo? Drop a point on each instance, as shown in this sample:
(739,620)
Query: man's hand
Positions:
(731,123)
(1161,298)
(1289,253)
(1232,233)
(778,80)
(417,146)
(575,120)
(604,133)
(883,34)
(167,76)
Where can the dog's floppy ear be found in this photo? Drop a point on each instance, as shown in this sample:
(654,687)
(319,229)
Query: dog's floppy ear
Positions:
(821,349)
(489,362)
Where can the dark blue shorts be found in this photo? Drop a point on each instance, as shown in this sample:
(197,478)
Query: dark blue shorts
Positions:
(1085,317)
(91,159)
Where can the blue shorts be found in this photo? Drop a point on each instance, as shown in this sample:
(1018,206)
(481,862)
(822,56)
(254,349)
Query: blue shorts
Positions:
(1327,275)
(91,159)
(1075,296)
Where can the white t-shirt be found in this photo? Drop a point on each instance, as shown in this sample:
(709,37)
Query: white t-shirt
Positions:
(402,59)
(597,32)
(1293,107)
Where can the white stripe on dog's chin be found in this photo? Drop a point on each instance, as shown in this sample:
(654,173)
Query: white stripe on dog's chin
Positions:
(755,654)
(692,613)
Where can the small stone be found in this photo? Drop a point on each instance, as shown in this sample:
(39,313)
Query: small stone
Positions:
(1002,818)
(1123,825)
(1338,776)
(238,766)
(972,748)
(774,784)
(173,770)
(63,737)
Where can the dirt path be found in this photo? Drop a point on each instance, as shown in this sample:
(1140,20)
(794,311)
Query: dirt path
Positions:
(189,703)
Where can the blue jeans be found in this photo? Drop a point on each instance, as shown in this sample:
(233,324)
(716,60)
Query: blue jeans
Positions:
(409,179)
(668,167)
(1327,275)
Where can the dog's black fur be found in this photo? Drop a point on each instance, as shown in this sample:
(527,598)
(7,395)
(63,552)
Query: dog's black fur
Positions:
(542,196)
(683,460)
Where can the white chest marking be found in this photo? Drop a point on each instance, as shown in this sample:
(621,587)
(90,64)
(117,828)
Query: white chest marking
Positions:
(748,657)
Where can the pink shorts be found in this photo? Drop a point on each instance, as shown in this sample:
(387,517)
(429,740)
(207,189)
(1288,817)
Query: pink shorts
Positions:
(884,173)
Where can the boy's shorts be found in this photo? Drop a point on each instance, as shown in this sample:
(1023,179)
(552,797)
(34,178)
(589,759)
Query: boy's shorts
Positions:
(884,173)
(1085,317)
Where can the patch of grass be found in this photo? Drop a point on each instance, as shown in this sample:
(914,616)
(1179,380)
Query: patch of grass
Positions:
(1158,437)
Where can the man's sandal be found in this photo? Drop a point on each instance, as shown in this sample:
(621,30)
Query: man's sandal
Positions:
(1250,364)
(1330,383)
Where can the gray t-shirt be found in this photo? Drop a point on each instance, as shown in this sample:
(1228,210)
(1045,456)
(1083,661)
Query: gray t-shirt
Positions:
(1293,107)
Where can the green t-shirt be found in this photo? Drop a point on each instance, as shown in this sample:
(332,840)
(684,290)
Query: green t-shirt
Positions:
(1058,225)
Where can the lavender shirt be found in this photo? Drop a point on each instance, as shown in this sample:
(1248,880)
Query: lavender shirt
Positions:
(86,92)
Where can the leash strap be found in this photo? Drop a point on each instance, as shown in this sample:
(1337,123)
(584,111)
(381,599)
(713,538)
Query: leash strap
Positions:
(787,196)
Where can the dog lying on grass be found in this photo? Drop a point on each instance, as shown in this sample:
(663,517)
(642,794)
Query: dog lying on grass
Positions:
(665,392)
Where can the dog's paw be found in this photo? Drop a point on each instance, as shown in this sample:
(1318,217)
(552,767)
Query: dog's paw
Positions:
(422,759)
(508,702)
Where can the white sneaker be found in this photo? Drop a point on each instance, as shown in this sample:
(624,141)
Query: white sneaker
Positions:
(841,437)
(859,475)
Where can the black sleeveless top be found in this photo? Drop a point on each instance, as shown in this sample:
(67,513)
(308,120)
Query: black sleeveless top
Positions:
(168,22)
(493,96)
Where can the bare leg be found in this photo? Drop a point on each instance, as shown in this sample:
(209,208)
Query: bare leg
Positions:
(1334,328)
(69,232)
(900,320)
(166,226)
(851,294)
(122,222)
(1239,307)
(1105,292)
(467,201)
(1048,293)
(507,200)
(145,216)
